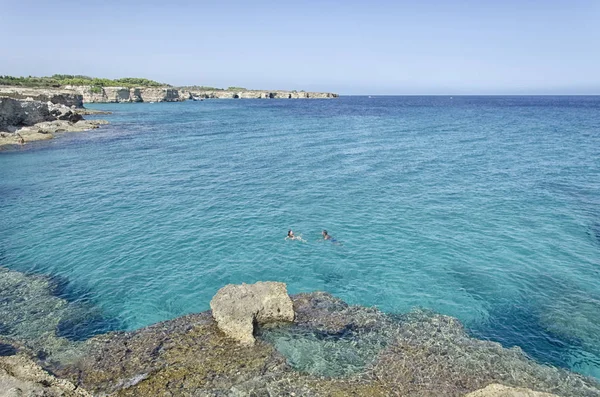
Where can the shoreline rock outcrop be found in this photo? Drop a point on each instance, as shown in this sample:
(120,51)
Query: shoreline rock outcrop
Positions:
(236,308)
(20,376)
(418,353)
(27,120)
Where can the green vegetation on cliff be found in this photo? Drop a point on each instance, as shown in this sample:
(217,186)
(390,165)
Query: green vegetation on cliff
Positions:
(201,88)
(208,88)
(59,80)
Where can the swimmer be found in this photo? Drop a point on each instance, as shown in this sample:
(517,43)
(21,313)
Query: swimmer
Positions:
(292,236)
(326,236)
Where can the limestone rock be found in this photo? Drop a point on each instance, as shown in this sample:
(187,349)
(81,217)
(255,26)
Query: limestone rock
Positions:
(237,307)
(64,97)
(25,120)
(117,94)
(135,95)
(498,390)
(51,127)
(159,94)
(19,376)
(424,354)
(14,112)
(123,94)
(62,112)
(258,94)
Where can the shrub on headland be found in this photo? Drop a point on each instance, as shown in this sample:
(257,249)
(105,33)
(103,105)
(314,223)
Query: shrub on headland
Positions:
(59,80)
(201,88)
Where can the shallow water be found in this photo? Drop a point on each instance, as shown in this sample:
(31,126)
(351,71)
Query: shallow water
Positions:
(482,208)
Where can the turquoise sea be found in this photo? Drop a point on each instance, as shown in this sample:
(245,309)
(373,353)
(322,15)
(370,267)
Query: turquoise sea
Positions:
(483,208)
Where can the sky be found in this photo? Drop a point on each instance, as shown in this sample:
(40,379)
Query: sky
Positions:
(349,47)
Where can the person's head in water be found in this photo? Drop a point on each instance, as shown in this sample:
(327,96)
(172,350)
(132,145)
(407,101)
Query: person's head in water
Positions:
(325,235)
(290,234)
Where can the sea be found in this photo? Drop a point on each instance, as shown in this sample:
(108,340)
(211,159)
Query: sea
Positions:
(484,208)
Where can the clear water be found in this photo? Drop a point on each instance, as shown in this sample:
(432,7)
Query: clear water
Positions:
(482,208)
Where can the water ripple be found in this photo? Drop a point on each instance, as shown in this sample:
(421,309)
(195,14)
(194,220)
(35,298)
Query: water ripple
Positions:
(481,208)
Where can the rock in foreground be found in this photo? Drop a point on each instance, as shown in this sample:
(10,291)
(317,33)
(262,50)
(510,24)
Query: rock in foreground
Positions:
(19,376)
(331,349)
(421,354)
(236,308)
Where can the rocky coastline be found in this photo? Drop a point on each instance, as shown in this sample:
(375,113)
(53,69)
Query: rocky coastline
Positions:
(310,344)
(28,115)
(78,95)
(170,94)
(31,114)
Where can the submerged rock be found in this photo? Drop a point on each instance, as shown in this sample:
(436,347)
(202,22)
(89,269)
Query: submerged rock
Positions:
(496,390)
(37,321)
(326,313)
(236,308)
(7,349)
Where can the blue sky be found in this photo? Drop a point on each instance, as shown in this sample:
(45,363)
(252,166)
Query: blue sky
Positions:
(350,47)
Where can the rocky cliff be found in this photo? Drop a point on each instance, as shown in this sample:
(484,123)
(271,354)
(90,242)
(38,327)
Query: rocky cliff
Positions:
(78,95)
(17,113)
(56,96)
(254,94)
(124,94)
(26,120)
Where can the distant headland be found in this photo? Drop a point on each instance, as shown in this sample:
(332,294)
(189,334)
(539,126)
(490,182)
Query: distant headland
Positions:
(36,108)
(133,89)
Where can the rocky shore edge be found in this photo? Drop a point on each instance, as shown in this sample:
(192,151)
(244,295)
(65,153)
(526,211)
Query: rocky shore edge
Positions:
(259,341)
(28,115)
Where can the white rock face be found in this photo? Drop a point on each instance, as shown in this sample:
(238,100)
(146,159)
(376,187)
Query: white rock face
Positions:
(237,307)
(259,94)
(497,390)
(124,94)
